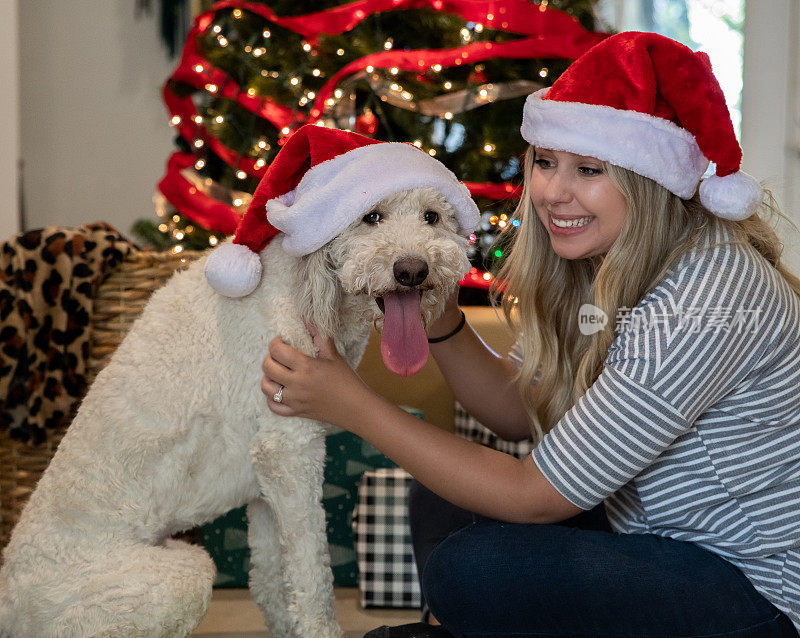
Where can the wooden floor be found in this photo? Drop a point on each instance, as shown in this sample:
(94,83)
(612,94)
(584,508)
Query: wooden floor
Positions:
(233,614)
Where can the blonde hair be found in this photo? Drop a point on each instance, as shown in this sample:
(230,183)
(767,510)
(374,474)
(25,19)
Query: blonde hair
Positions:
(541,293)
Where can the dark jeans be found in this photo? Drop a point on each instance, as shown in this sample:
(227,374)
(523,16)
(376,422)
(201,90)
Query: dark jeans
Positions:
(484,578)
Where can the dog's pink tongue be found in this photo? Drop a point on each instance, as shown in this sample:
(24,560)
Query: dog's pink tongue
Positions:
(404,344)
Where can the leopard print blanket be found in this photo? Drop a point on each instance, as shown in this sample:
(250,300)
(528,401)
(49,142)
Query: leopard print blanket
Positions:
(48,279)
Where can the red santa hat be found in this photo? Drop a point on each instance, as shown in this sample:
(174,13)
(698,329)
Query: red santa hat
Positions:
(653,106)
(320,182)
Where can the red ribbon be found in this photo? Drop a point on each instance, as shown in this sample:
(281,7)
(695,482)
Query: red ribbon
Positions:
(192,202)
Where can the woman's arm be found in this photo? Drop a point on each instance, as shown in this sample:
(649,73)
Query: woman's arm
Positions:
(469,475)
(480,379)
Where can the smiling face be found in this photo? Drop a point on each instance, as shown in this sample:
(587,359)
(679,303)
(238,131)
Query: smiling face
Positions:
(576,200)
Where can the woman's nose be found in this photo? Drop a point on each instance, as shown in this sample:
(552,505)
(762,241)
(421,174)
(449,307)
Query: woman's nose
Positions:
(557,190)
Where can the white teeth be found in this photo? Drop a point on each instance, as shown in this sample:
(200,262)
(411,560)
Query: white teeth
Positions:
(572,223)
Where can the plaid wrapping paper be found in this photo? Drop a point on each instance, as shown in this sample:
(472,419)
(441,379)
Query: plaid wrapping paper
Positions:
(387,571)
(470,428)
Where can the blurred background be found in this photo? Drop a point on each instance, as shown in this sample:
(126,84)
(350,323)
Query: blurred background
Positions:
(87,134)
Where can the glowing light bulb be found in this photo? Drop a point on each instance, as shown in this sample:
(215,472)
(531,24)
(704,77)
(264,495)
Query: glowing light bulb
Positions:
(303,101)
(198,119)
(163,228)
(176,119)
(259,52)
(418,143)
(223,41)
(306,47)
(260,163)
(395,87)
(330,101)
(502,224)
(487,276)
(266,33)
(178,235)
(176,218)
(437,67)
(316,73)
(198,143)
(543,72)
(483,92)
(219,119)
(311,95)
(285,130)
(478,27)
(241,174)
(294,81)
(448,85)
(199,68)
(338,93)
(251,92)
(387,45)
(211,88)
(394,70)
(432,152)
(212,240)
(370,69)
(448,116)
(488,148)
(406,95)
(339,51)
(237,13)
(262,144)
(177,249)
(238,202)
(217,28)
(199,163)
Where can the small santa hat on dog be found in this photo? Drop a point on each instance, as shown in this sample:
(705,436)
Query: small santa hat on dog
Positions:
(653,106)
(320,182)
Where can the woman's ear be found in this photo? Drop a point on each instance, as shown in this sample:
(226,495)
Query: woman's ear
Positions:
(320,291)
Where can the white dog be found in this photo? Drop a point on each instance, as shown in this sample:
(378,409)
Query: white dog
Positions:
(175,432)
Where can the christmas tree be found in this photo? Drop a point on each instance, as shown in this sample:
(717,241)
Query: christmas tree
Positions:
(449,76)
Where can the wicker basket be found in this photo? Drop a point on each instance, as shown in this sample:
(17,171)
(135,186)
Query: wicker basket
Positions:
(119,302)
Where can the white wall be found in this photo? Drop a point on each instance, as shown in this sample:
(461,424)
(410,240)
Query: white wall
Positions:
(94,132)
(9,116)
(771,108)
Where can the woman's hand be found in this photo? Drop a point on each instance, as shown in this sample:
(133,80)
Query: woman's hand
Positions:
(324,388)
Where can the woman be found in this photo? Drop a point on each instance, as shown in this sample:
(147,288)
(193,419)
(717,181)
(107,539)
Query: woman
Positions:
(681,413)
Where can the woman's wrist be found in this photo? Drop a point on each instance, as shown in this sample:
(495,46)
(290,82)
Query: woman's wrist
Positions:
(447,325)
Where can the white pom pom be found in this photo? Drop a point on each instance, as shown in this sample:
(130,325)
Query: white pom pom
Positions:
(735,196)
(233,270)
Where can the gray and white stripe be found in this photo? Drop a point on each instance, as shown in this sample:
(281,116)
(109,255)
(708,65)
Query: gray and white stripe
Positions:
(695,435)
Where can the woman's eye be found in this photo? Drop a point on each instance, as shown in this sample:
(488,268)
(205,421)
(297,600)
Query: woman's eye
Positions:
(542,163)
(431,217)
(589,171)
(371,218)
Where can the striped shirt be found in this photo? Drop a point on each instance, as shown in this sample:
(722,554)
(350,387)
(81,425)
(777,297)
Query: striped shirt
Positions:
(692,430)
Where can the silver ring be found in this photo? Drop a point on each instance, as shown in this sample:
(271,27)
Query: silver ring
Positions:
(278,396)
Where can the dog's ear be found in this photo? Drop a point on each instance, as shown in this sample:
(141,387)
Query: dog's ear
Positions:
(320,291)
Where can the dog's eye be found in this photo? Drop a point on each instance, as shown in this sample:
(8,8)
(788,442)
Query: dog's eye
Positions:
(371,218)
(431,217)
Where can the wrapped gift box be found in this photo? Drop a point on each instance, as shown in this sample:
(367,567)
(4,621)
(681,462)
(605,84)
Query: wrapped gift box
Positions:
(470,428)
(387,574)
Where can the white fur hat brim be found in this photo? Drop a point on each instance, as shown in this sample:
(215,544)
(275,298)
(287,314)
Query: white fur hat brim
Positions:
(337,192)
(642,143)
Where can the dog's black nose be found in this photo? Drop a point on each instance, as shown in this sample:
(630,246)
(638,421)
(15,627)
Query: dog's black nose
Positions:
(410,271)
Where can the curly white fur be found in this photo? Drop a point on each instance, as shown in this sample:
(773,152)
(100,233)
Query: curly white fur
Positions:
(175,432)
